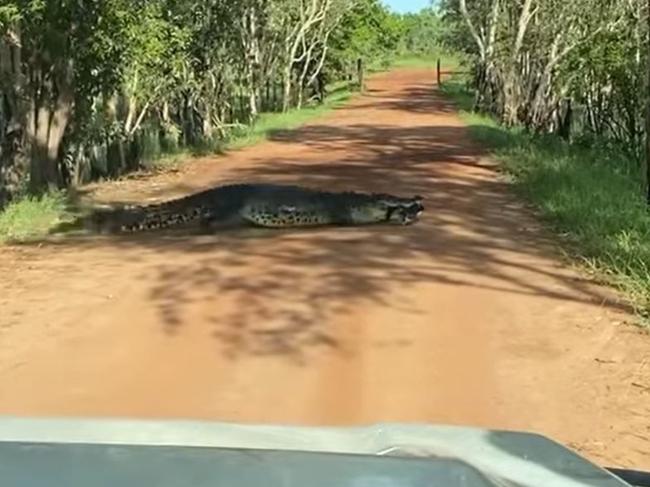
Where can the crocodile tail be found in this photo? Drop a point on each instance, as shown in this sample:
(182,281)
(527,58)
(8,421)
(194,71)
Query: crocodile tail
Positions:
(148,218)
(144,218)
(209,206)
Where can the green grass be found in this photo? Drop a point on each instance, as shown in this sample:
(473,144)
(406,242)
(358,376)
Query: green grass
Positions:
(456,89)
(269,123)
(590,194)
(33,217)
(169,161)
(414,61)
(448,61)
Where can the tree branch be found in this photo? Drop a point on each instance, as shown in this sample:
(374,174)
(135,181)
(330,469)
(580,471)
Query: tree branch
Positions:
(472,29)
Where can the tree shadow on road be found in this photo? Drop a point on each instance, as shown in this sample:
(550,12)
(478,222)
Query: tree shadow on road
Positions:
(284,287)
(412,99)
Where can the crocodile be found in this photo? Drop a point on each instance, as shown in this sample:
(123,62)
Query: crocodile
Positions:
(264,205)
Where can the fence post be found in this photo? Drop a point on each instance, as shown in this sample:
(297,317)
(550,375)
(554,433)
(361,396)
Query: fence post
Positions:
(438,72)
(267,102)
(242,111)
(360,74)
(274,92)
(566,120)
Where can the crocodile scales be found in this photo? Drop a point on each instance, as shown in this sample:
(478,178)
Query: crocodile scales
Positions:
(265,205)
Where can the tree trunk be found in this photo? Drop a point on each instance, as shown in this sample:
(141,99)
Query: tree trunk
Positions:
(52,111)
(300,85)
(485,99)
(566,120)
(14,153)
(539,109)
(511,101)
(301,79)
(300,93)
(286,88)
(511,86)
(485,39)
(295,38)
(206,124)
(252,52)
(252,104)
(320,83)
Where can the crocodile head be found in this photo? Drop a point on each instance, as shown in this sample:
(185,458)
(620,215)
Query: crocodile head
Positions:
(406,214)
(402,210)
(387,208)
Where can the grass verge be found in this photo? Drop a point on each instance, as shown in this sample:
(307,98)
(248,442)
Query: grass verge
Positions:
(268,123)
(590,194)
(33,216)
(448,61)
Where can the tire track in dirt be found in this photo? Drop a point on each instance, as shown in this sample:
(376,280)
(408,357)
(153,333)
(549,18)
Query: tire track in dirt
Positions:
(467,317)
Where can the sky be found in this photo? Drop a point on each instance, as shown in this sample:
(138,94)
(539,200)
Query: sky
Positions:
(403,6)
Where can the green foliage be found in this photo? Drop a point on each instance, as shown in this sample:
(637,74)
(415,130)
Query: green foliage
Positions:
(186,68)
(589,193)
(530,57)
(103,88)
(367,31)
(100,47)
(118,72)
(155,52)
(423,33)
(457,88)
(611,87)
(383,38)
(456,35)
(9,14)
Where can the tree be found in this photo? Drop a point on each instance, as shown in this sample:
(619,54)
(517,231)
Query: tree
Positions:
(422,32)
(367,30)
(298,20)
(521,51)
(90,89)
(539,62)
(55,55)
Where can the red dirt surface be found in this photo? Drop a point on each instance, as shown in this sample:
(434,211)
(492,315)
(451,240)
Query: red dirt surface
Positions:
(468,317)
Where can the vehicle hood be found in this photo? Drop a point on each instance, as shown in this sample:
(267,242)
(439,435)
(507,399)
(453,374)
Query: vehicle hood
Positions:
(152,452)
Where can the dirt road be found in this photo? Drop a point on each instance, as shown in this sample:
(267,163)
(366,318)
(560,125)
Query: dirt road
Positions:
(467,317)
